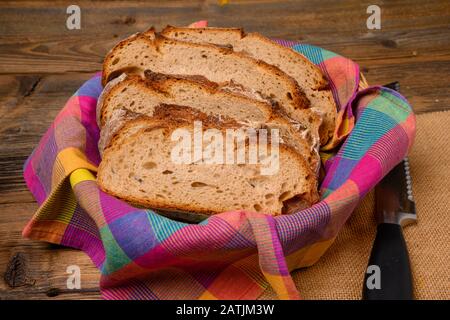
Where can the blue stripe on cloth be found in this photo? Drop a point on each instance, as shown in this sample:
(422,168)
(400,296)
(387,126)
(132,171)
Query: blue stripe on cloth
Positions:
(162,226)
(134,234)
(344,169)
(91,88)
(311,52)
(372,125)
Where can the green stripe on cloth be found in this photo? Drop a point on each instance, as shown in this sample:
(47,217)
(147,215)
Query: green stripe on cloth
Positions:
(116,257)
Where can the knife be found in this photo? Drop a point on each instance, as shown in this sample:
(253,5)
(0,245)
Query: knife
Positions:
(395,208)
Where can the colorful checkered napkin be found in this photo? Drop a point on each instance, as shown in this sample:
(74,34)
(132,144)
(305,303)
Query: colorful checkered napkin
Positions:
(233,255)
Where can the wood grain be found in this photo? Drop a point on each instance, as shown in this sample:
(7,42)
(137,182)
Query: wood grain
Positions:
(411,30)
(42,64)
(45,264)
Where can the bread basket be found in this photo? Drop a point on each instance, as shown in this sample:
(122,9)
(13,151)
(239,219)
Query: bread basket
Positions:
(233,255)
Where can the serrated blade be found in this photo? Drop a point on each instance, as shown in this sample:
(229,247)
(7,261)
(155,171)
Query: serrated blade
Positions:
(394,199)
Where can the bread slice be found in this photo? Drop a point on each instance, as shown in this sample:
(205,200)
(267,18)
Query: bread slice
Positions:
(141,94)
(308,76)
(255,45)
(129,96)
(137,167)
(220,65)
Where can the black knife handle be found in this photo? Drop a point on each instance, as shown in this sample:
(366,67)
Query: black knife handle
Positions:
(390,254)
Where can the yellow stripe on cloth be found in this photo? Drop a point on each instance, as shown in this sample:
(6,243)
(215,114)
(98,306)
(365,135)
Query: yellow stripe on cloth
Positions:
(67,161)
(80,175)
(72,159)
(207,296)
(283,286)
(309,255)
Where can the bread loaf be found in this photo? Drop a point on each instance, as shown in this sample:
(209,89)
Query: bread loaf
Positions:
(132,95)
(220,65)
(212,83)
(138,167)
(308,76)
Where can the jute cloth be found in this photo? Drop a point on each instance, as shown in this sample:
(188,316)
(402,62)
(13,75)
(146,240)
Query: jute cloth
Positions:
(339,273)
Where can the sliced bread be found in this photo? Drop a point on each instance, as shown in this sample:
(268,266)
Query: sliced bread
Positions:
(256,45)
(138,167)
(129,96)
(308,76)
(220,65)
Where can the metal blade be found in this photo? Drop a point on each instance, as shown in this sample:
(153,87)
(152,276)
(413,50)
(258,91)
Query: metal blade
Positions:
(394,199)
(393,85)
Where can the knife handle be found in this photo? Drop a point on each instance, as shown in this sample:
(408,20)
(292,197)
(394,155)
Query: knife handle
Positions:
(390,254)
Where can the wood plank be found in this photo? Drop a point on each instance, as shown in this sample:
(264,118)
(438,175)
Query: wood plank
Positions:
(338,26)
(43,265)
(28,105)
(421,83)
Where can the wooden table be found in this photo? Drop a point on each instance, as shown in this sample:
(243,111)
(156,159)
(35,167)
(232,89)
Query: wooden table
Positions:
(42,63)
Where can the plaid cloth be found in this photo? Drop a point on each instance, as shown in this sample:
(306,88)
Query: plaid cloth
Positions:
(233,255)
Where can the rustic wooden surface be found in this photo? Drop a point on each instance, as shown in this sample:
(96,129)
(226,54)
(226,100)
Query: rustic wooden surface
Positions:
(42,64)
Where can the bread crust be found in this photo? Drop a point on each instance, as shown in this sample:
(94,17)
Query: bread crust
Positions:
(169,117)
(298,96)
(168,124)
(169,29)
(322,80)
(236,36)
(161,83)
(299,100)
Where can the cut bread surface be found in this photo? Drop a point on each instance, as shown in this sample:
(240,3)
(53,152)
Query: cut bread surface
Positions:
(257,46)
(223,80)
(131,96)
(223,66)
(308,76)
(141,94)
(137,166)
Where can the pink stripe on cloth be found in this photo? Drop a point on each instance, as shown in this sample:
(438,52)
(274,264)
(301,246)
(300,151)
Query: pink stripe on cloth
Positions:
(71,109)
(367,170)
(271,257)
(199,24)
(114,207)
(345,75)
(395,139)
(88,120)
(34,184)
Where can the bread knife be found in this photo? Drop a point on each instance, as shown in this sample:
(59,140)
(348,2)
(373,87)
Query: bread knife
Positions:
(394,209)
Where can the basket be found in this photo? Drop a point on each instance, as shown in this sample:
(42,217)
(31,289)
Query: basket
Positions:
(233,255)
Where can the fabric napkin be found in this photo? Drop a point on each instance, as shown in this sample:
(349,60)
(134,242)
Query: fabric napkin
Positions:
(233,255)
